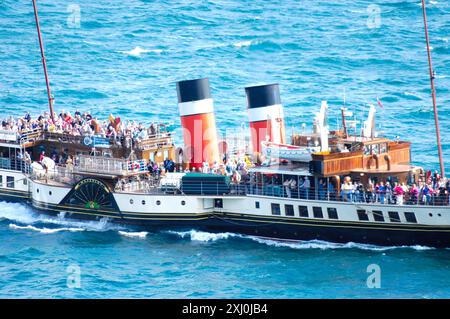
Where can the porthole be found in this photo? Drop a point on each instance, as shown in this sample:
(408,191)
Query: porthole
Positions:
(439,215)
(158,202)
(50,193)
(430,214)
(143,202)
(183,202)
(131,201)
(37,190)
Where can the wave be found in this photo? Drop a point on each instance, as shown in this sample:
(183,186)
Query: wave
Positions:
(412,96)
(45,230)
(142,234)
(203,236)
(243,44)
(21,214)
(138,51)
(195,235)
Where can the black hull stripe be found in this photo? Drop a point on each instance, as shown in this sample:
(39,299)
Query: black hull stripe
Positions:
(363,224)
(14,193)
(312,224)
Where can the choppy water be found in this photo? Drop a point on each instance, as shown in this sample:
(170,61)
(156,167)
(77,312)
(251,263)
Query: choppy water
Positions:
(126,57)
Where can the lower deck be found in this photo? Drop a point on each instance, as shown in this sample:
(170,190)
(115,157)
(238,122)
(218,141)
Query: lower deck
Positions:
(260,215)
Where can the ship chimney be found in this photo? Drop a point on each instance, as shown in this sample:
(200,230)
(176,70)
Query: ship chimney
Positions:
(198,122)
(265,114)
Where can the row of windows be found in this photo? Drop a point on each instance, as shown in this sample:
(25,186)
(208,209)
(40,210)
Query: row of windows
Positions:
(394,217)
(10,183)
(302,211)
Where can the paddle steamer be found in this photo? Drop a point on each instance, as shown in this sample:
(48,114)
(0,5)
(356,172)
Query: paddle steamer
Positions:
(290,190)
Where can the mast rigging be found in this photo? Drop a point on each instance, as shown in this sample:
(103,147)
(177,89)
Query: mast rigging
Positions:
(44,63)
(433,93)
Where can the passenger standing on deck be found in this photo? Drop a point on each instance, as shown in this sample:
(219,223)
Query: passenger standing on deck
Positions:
(388,190)
(355,191)
(414,194)
(426,194)
(307,186)
(287,187)
(436,179)
(330,191)
(369,191)
(398,191)
(447,187)
(382,192)
(321,189)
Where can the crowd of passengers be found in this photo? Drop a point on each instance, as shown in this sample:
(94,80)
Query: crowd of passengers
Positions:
(235,168)
(80,124)
(431,191)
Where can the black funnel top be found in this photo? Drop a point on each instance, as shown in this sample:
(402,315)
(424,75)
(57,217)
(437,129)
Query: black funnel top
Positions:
(263,95)
(193,90)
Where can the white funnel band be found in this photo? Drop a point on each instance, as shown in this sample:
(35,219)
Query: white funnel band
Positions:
(265,112)
(196,107)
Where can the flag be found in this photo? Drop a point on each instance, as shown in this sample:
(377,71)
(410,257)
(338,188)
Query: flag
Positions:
(379,102)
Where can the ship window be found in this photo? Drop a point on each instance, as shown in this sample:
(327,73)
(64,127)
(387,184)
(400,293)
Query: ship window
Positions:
(50,193)
(10,181)
(332,213)
(362,214)
(378,216)
(383,148)
(289,210)
(375,149)
(257,205)
(410,217)
(394,217)
(1,181)
(367,150)
(25,181)
(276,209)
(218,203)
(303,210)
(143,202)
(158,202)
(37,190)
(131,201)
(317,212)
(183,202)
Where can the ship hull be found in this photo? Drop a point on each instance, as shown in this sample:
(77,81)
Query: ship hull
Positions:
(277,228)
(252,215)
(307,230)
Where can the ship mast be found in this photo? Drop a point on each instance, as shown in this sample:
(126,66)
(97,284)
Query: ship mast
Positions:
(44,63)
(433,92)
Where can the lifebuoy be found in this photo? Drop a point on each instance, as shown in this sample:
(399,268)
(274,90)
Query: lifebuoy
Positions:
(87,141)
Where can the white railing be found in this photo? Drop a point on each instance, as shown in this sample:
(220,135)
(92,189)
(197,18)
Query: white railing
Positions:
(106,165)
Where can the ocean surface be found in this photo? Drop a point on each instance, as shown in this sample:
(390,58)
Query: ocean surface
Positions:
(125,58)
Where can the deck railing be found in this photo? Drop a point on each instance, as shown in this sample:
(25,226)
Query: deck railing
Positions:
(322,194)
(107,165)
(14,165)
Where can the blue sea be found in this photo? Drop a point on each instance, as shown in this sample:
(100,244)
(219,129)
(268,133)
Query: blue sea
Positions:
(124,57)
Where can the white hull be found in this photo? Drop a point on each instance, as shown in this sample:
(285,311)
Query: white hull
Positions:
(255,214)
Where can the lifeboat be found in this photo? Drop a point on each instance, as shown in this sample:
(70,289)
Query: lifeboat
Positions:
(288,152)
